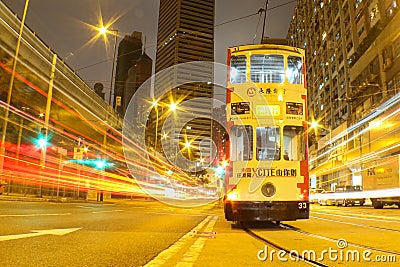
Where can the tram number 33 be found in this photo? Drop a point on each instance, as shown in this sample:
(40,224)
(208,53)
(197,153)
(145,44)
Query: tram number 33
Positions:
(302,205)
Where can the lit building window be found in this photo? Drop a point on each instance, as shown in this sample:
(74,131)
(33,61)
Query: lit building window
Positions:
(373,13)
(324,36)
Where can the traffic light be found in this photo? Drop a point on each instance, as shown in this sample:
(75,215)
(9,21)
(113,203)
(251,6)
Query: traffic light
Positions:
(100,164)
(42,141)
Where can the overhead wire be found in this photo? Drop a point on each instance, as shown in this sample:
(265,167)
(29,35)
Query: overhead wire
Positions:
(217,25)
(258,24)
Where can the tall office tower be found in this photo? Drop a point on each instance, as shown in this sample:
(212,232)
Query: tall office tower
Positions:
(220,135)
(133,68)
(353,66)
(185,34)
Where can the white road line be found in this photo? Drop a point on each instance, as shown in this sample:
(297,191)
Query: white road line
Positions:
(354,224)
(363,217)
(175,213)
(106,211)
(34,214)
(58,232)
(190,257)
(166,254)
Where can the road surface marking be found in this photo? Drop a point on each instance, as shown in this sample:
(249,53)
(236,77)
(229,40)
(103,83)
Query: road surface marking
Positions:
(107,211)
(190,257)
(166,254)
(39,233)
(171,213)
(34,214)
(363,217)
(355,224)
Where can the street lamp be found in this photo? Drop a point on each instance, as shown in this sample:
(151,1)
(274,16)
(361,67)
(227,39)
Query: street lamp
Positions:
(172,106)
(103,31)
(4,132)
(154,104)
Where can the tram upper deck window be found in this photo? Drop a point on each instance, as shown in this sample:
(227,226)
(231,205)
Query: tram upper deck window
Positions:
(294,147)
(267,68)
(241,140)
(294,73)
(268,143)
(238,69)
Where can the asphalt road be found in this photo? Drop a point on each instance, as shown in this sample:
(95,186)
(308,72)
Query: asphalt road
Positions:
(144,233)
(100,234)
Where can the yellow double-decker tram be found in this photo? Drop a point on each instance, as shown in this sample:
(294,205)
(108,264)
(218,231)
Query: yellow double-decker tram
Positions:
(267,177)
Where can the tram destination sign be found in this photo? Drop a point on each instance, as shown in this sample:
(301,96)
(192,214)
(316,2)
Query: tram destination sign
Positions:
(294,108)
(268,110)
(240,108)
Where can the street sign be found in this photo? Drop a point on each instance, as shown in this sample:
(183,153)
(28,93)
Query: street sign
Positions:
(118,101)
(78,152)
(61,151)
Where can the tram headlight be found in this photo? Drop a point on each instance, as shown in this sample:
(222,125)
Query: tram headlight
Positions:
(232,196)
(268,189)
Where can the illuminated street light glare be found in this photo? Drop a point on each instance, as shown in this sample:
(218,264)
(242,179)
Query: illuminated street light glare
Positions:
(103,30)
(224,163)
(172,107)
(164,136)
(314,124)
(187,144)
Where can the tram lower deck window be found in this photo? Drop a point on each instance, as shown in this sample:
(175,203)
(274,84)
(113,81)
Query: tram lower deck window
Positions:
(294,147)
(268,143)
(241,140)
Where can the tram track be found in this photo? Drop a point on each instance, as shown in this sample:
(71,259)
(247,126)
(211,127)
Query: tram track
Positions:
(289,227)
(293,253)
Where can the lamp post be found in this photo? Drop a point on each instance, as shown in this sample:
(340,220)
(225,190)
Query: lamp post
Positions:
(4,132)
(113,64)
(330,153)
(156,133)
(104,30)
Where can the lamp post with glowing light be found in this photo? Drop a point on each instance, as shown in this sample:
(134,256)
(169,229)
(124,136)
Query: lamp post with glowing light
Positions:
(103,31)
(331,153)
(154,104)
(15,59)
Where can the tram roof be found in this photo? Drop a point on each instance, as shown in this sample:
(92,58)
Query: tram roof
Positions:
(268,43)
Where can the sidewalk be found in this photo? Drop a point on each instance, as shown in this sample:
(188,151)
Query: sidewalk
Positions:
(34,198)
(119,201)
(18,197)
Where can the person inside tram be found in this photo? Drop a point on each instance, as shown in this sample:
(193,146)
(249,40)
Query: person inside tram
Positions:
(286,155)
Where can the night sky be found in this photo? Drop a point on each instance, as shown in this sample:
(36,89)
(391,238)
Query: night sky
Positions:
(63,25)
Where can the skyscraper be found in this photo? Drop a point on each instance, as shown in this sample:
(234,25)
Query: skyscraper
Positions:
(133,68)
(351,51)
(185,34)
